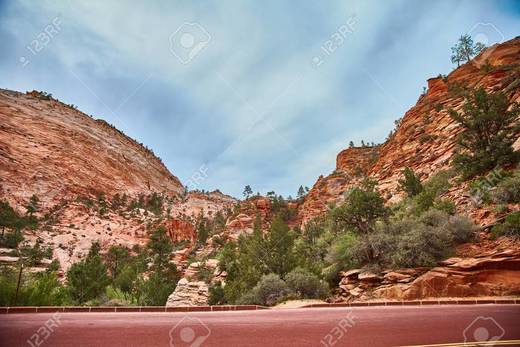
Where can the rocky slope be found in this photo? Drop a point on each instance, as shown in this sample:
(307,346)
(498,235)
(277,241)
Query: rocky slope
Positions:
(77,166)
(486,268)
(50,149)
(425,138)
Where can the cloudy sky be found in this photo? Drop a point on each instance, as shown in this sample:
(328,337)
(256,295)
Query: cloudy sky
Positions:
(264,93)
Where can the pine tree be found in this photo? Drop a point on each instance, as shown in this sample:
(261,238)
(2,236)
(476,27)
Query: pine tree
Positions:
(410,183)
(489,124)
(465,49)
(88,278)
(247,191)
(301,192)
(33,205)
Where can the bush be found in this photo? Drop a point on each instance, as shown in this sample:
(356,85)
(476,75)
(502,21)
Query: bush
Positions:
(461,228)
(342,251)
(410,183)
(423,202)
(269,291)
(11,239)
(420,245)
(508,191)
(372,249)
(510,227)
(216,294)
(412,241)
(429,197)
(445,206)
(154,290)
(42,289)
(439,183)
(256,255)
(305,284)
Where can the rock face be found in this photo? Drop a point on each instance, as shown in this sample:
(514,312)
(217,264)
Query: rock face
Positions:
(425,138)
(195,203)
(244,220)
(52,150)
(490,268)
(189,294)
(76,165)
(180,230)
(351,165)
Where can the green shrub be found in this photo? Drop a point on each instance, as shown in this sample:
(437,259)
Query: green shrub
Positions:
(256,255)
(269,291)
(411,241)
(429,196)
(372,249)
(42,289)
(500,209)
(204,274)
(126,278)
(420,245)
(445,206)
(423,202)
(11,239)
(216,294)
(117,297)
(410,183)
(510,227)
(341,251)
(479,190)
(154,290)
(508,190)
(306,285)
(462,229)
(439,183)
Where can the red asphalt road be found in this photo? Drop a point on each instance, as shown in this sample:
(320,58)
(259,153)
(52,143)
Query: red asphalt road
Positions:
(363,326)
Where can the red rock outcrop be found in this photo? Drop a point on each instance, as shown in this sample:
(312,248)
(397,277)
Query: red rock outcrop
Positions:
(180,230)
(487,268)
(351,165)
(425,138)
(244,220)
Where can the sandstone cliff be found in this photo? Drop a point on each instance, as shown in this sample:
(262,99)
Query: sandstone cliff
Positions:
(425,137)
(78,166)
(52,150)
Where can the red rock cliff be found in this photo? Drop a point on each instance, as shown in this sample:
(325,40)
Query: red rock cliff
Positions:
(52,150)
(425,138)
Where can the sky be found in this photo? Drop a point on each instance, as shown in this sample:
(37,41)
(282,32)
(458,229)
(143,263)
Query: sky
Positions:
(260,93)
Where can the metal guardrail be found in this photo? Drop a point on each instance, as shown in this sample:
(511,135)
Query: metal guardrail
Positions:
(420,302)
(52,309)
(66,309)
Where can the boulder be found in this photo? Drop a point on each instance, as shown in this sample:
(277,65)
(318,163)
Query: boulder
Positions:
(368,276)
(393,277)
(188,293)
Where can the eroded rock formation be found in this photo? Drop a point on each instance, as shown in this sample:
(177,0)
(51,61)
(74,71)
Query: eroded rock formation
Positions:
(425,138)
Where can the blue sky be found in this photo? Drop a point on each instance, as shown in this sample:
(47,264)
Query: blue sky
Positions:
(237,90)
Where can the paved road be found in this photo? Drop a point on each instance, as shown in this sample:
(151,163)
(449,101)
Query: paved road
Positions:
(361,326)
